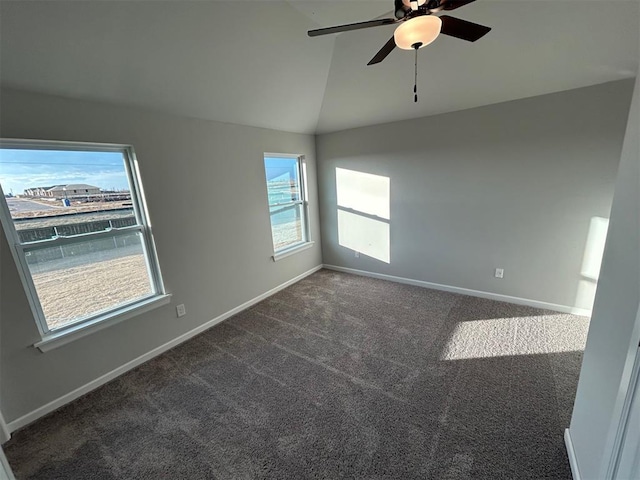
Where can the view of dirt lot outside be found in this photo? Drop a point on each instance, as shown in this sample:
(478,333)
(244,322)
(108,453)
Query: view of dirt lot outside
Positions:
(63,292)
(82,279)
(87,192)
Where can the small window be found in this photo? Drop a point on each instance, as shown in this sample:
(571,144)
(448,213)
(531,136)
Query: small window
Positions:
(83,257)
(287,201)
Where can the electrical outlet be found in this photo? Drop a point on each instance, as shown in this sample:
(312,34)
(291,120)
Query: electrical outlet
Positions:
(357,254)
(499,272)
(181,310)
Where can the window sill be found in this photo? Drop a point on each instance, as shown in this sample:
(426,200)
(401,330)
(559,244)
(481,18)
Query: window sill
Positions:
(292,251)
(55,339)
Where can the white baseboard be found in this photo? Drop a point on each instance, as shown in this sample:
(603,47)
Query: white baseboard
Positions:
(92,385)
(466,291)
(573,462)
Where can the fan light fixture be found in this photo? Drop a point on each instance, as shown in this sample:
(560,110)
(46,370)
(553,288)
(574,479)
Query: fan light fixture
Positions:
(418,28)
(420,31)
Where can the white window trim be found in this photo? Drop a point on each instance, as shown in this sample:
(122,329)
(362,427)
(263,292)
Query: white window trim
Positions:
(76,331)
(304,201)
(299,247)
(54,338)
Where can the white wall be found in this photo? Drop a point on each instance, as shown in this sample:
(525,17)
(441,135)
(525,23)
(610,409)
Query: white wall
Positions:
(518,185)
(614,332)
(213,235)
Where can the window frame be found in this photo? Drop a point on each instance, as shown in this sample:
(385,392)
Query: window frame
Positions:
(307,241)
(19,249)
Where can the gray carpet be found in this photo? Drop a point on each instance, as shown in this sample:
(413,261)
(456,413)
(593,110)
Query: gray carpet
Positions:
(337,376)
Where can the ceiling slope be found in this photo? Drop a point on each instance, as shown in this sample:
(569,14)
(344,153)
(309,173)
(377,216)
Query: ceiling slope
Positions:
(251,62)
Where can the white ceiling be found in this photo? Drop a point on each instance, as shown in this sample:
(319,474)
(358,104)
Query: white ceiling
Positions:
(251,62)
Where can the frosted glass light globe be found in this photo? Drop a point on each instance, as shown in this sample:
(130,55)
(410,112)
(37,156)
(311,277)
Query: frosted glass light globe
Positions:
(422,30)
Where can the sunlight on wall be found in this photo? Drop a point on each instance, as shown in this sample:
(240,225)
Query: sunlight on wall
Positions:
(500,337)
(364,235)
(591,261)
(304,177)
(364,213)
(363,192)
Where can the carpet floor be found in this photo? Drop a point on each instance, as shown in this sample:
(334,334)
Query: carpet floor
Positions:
(337,376)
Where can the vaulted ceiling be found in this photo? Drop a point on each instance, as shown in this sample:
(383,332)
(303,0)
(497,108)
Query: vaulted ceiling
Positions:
(252,63)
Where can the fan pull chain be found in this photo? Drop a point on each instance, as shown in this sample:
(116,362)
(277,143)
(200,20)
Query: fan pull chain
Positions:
(415,79)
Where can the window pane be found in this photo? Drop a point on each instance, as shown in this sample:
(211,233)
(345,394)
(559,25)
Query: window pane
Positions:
(71,190)
(61,193)
(283,182)
(85,278)
(287,225)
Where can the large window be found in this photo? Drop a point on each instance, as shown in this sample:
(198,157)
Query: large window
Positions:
(287,202)
(75,218)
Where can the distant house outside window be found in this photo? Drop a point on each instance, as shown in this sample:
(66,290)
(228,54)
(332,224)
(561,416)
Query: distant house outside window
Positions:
(287,199)
(76,220)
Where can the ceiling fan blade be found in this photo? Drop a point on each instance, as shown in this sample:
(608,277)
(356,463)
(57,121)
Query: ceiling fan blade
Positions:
(454,27)
(384,51)
(352,26)
(453,4)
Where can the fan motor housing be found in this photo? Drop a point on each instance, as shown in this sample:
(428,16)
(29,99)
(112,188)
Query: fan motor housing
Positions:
(401,9)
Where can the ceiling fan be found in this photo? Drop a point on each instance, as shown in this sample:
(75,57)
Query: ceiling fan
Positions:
(418,26)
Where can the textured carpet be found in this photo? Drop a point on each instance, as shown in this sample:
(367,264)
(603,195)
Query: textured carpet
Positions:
(337,376)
